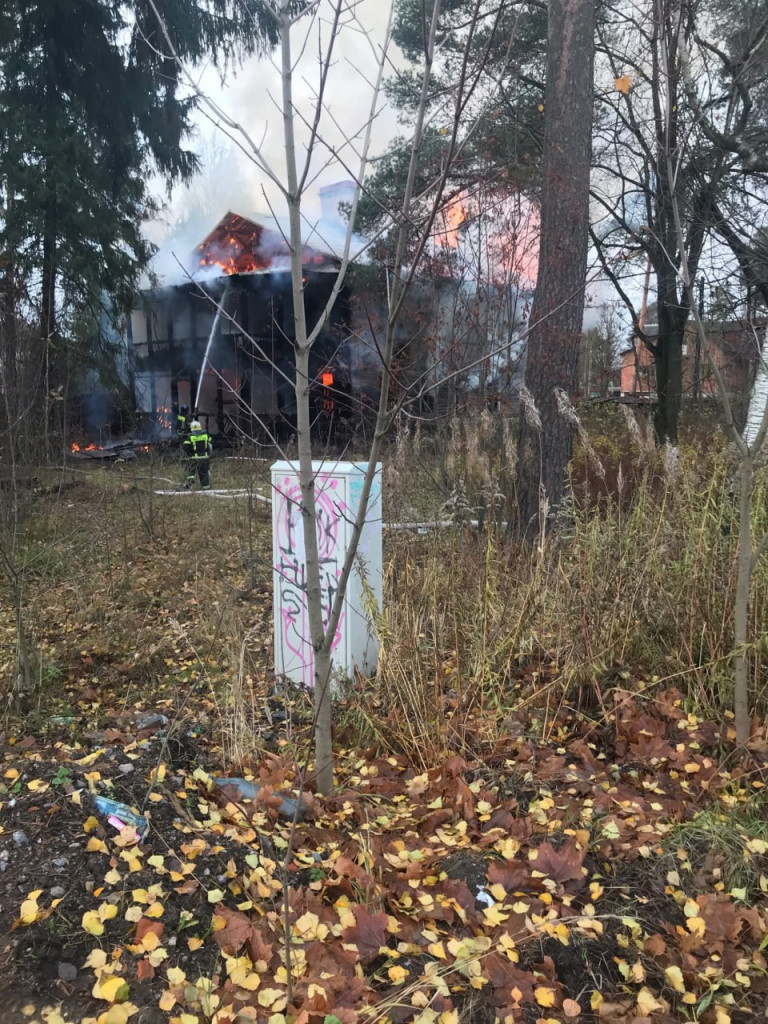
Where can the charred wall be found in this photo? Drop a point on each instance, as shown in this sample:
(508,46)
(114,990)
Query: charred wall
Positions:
(247,387)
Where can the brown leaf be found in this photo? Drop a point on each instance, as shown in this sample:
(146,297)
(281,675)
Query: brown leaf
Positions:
(655,945)
(235,933)
(258,948)
(146,925)
(368,933)
(144,970)
(514,875)
(345,867)
(563,865)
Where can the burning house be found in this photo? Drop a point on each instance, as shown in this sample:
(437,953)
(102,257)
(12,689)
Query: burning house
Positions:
(221,341)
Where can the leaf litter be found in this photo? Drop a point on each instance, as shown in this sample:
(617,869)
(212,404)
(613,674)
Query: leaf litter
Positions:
(600,899)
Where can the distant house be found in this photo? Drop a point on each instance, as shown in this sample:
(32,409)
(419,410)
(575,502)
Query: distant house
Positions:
(733,346)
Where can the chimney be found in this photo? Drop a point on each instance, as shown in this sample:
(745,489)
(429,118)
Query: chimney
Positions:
(331,196)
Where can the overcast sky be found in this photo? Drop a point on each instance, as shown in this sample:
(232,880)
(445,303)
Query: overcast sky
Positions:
(252,97)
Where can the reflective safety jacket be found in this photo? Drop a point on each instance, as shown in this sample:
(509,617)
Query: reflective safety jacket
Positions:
(182,426)
(198,445)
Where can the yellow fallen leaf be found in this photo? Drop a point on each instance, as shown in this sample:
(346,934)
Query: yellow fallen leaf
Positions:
(29,909)
(96,845)
(112,989)
(154,910)
(696,926)
(92,923)
(544,996)
(107,911)
(194,943)
(97,958)
(118,1014)
(674,977)
(270,996)
(397,974)
(51,1016)
(90,824)
(150,941)
(37,786)
(245,978)
(175,975)
(215,896)
(647,1003)
(167,1001)
(495,915)
(157,956)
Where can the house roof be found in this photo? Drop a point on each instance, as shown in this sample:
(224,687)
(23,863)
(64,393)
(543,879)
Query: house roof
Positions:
(239,245)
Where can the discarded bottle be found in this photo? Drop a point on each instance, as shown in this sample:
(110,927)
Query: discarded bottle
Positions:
(250,790)
(119,815)
(148,720)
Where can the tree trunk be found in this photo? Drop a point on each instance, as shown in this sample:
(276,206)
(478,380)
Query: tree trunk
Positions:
(322,658)
(741,605)
(668,360)
(558,308)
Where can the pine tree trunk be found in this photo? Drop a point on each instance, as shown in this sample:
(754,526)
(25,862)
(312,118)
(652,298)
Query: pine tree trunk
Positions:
(558,308)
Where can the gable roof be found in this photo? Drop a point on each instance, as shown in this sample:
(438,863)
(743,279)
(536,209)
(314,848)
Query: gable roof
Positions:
(239,245)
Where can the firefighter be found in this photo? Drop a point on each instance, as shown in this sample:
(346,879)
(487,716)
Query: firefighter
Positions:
(182,423)
(197,450)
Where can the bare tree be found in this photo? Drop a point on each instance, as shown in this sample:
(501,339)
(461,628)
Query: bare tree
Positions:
(408,251)
(748,444)
(634,225)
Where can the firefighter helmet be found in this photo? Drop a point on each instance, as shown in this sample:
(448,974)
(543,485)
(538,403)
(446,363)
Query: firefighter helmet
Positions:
(184,409)
(195,426)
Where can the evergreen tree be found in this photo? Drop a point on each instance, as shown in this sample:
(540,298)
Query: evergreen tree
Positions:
(91,108)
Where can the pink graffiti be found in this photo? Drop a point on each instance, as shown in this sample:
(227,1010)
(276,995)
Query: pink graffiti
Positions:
(291,565)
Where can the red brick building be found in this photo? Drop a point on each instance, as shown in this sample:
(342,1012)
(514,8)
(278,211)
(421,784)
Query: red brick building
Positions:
(733,345)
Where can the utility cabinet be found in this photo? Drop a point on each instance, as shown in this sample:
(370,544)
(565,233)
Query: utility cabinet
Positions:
(338,488)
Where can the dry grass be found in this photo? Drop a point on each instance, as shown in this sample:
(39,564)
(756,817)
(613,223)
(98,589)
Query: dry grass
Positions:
(173,595)
(634,589)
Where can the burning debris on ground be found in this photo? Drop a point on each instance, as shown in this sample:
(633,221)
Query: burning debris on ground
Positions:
(112,451)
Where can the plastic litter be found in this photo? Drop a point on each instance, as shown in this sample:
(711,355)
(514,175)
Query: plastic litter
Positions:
(119,815)
(148,720)
(484,898)
(250,790)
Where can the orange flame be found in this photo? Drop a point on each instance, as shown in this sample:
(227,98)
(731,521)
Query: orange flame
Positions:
(454,215)
(240,246)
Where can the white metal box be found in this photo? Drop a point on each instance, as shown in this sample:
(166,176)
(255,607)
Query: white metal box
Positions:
(338,487)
